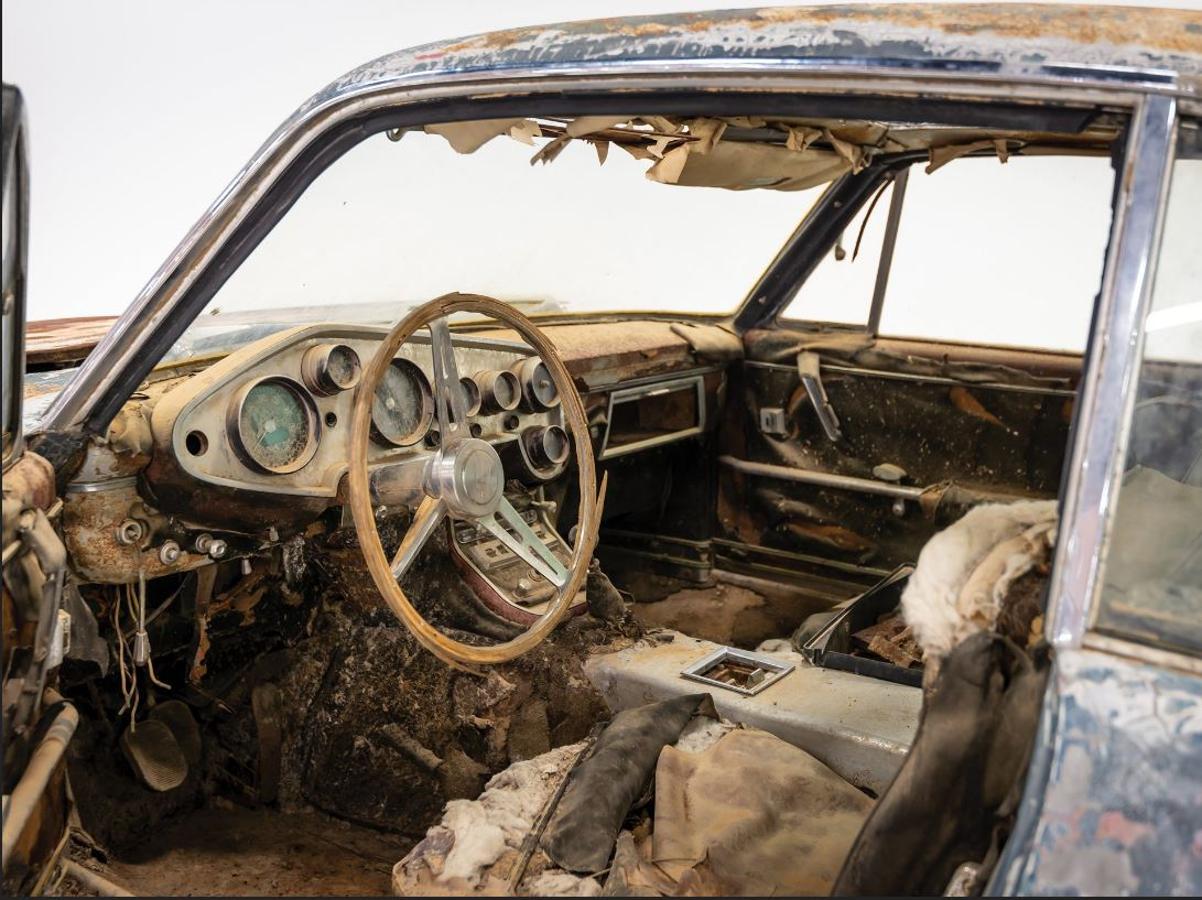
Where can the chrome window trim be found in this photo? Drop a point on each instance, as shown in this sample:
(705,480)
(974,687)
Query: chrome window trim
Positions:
(1148,654)
(14,160)
(1112,363)
(928,379)
(158,300)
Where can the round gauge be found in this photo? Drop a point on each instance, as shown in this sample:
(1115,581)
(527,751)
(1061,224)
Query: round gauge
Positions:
(403,405)
(538,387)
(273,425)
(471,395)
(548,445)
(330,368)
(500,390)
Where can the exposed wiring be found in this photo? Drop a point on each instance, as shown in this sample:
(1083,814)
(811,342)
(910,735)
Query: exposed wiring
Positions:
(129,685)
(162,607)
(138,603)
(868,215)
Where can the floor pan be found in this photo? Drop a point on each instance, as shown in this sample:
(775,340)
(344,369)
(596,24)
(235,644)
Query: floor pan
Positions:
(245,852)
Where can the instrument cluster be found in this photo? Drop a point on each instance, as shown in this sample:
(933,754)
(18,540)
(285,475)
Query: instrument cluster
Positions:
(275,416)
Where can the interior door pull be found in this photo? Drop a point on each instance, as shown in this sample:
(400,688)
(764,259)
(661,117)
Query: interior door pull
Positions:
(808,368)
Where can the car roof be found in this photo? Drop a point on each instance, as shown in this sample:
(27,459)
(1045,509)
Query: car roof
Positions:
(1052,41)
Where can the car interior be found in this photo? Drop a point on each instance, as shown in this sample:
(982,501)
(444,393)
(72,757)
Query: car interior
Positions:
(489,594)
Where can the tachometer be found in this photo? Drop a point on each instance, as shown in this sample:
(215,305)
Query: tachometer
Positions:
(273,425)
(403,405)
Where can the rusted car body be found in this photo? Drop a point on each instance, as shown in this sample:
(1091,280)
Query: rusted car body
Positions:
(807,464)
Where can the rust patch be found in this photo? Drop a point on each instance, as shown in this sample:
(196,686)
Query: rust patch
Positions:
(1163,29)
(964,400)
(1167,30)
(835,536)
(198,670)
(63,341)
(30,481)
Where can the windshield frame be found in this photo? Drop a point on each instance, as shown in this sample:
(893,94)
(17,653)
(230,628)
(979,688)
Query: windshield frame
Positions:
(333,122)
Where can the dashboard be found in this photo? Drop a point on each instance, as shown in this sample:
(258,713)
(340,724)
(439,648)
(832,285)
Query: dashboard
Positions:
(224,458)
(275,417)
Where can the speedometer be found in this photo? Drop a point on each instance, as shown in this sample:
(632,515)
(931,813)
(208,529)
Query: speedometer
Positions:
(273,425)
(403,405)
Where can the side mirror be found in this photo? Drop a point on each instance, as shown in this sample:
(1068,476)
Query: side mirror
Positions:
(15,202)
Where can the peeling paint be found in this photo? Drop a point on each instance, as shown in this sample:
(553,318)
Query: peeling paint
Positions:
(1121,812)
(1018,38)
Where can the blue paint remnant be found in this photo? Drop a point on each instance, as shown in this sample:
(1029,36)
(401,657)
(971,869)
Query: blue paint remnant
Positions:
(1121,810)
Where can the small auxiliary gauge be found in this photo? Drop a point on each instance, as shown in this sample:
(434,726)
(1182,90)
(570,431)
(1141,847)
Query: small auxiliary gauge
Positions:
(538,387)
(471,395)
(329,368)
(499,390)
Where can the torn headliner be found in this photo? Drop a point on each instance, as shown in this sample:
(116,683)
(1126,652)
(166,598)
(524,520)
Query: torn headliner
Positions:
(775,153)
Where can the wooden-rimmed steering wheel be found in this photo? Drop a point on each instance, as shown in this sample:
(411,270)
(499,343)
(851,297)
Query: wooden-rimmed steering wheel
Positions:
(464,479)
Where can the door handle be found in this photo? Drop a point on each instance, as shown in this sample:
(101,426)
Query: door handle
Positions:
(808,365)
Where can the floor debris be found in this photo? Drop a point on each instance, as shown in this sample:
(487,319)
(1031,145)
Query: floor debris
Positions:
(750,815)
(473,847)
(731,811)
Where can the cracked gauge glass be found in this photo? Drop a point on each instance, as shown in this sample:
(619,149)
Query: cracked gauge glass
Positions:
(274,426)
(403,405)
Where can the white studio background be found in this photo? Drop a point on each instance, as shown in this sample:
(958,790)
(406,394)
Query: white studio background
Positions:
(141,111)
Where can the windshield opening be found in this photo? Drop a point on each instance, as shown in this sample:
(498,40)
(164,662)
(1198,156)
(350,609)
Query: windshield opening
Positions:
(392,224)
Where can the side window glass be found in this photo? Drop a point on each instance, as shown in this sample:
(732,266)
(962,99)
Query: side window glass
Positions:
(1152,583)
(1002,254)
(986,253)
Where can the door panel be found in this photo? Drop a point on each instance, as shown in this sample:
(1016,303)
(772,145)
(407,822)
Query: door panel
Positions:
(926,431)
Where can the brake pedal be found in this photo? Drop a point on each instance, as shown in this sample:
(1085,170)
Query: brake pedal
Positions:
(155,755)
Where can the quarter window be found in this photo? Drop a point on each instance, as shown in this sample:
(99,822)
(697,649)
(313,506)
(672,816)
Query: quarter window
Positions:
(1152,583)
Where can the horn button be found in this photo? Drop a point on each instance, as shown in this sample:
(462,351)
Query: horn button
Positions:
(470,477)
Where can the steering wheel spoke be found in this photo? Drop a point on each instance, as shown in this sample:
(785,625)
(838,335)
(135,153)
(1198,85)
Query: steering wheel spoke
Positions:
(525,543)
(448,393)
(426,519)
